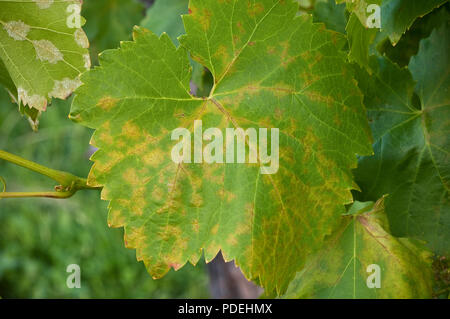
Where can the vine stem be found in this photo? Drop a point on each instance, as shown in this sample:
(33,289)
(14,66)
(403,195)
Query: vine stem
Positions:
(69,183)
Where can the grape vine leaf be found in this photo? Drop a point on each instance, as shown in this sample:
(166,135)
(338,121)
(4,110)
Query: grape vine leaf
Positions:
(330,13)
(271,69)
(360,248)
(41,52)
(360,40)
(109,22)
(408,45)
(412,141)
(397,16)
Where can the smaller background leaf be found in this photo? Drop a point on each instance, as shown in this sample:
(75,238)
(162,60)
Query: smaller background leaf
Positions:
(340,269)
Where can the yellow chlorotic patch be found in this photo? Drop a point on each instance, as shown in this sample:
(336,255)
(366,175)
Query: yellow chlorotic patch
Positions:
(46,51)
(131,130)
(154,158)
(17,30)
(106,103)
(231,240)
(195,226)
(226,195)
(106,138)
(197,200)
(157,194)
(254,9)
(215,229)
(131,176)
(138,200)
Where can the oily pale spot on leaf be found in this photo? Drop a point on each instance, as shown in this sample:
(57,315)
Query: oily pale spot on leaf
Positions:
(62,89)
(87,61)
(47,51)
(81,39)
(44,4)
(17,30)
(34,100)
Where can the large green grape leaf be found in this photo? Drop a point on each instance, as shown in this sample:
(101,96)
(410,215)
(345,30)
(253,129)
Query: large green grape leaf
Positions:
(268,72)
(412,137)
(109,22)
(43,49)
(397,16)
(360,248)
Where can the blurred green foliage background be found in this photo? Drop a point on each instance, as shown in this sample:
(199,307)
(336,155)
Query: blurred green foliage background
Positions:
(39,238)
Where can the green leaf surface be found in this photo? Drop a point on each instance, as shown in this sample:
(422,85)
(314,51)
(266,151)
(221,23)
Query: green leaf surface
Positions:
(412,141)
(271,70)
(360,40)
(343,267)
(5,79)
(165,16)
(330,13)
(110,21)
(42,54)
